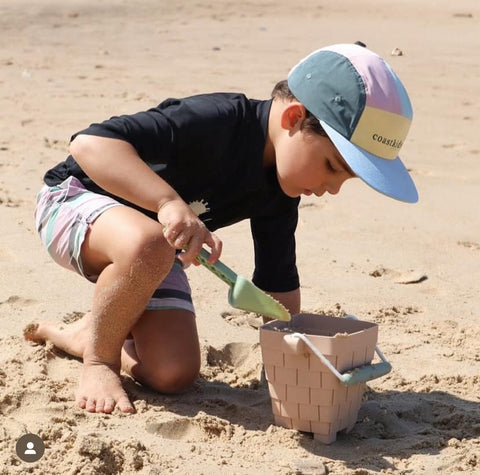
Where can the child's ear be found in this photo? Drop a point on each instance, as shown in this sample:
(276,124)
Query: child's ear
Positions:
(292,115)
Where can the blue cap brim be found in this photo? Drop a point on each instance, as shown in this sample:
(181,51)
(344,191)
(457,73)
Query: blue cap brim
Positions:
(389,177)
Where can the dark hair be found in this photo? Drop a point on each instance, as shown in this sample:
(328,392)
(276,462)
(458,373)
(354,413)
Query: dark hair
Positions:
(281,91)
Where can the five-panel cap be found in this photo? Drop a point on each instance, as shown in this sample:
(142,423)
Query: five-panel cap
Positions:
(364,109)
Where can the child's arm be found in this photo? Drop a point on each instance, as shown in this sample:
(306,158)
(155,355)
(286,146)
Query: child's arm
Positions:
(115,166)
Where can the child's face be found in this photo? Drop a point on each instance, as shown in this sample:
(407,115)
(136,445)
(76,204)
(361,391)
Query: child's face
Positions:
(308,164)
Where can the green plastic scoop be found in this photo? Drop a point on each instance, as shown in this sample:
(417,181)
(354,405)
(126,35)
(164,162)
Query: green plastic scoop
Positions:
(243,294)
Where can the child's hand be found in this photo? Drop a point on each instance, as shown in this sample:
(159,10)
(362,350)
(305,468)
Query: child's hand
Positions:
(183,230)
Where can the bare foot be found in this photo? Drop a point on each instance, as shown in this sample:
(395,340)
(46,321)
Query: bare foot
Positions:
(100,390)
(30,331)
(70,338)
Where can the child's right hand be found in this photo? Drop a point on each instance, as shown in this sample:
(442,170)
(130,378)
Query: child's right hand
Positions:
(116,166)
(184,230)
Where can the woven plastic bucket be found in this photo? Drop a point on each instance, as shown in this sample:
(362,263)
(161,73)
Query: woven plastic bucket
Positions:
(316,367)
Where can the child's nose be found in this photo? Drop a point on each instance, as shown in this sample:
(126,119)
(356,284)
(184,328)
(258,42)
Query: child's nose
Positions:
(334,187)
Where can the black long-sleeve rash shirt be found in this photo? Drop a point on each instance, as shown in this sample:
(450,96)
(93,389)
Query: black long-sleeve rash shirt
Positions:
(209,148)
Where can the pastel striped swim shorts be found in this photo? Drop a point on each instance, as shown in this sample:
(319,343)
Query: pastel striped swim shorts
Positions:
(63,215)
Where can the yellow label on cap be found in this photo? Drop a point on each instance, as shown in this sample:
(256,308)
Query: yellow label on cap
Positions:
(380,132)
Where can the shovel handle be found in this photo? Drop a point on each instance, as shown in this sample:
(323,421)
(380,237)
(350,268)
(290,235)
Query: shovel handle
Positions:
(358,375)
(219,269)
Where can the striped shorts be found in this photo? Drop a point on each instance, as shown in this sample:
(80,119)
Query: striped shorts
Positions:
(63,215)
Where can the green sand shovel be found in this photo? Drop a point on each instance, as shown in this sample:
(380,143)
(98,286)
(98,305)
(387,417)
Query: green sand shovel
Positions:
(243,294)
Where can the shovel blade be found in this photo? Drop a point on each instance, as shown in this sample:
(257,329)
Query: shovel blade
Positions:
(245,295)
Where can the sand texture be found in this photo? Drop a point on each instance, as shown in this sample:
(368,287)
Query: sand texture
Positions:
(413,269)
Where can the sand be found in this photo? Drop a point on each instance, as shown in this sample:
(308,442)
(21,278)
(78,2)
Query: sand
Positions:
(414,270)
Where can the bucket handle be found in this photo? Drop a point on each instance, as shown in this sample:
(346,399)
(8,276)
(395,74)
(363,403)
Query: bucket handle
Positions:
(358,375)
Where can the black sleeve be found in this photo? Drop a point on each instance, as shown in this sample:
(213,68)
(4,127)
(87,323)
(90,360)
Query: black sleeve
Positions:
(150,133)
(275,256)
(177,131)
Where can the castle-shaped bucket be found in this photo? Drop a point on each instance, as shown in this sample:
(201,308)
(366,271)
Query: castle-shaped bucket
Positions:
(316,367)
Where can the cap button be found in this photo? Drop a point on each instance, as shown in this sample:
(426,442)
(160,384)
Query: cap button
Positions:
(309,76)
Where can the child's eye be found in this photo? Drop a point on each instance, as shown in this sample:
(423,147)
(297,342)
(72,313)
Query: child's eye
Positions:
(330,167)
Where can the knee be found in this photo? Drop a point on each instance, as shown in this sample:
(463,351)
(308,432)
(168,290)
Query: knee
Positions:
(148,246)
(174,377)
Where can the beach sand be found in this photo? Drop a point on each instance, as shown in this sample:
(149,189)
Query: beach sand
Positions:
(413,269)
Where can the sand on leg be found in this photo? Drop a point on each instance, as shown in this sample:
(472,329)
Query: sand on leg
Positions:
(162,353)
(128,252)
(130,267)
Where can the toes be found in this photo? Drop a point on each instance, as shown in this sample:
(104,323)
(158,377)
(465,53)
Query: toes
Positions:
(100,390)
(124,404)
(108,406)
(30,332)
(82,402)
(105,406)
(100,406)
(91,405)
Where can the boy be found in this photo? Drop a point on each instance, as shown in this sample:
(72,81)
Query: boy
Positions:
(117,210)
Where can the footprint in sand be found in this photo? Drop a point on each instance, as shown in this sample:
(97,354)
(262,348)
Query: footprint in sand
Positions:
(201,428)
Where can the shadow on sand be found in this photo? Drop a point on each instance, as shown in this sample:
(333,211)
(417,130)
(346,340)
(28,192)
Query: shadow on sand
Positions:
(416,422)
